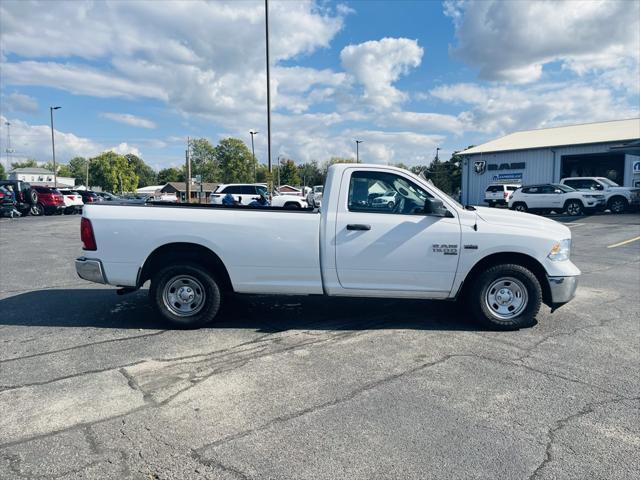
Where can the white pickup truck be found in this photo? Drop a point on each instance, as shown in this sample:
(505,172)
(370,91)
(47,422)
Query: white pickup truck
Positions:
(501,264)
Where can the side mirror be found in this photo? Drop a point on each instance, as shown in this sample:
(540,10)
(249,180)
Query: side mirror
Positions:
(435,207)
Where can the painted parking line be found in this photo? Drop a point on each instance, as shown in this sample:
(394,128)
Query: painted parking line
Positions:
(624,243)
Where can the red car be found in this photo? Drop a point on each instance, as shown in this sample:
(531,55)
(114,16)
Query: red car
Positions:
(50,201)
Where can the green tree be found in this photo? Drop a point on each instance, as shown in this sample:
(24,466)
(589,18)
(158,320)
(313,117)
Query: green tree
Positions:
(113,173)
(310,173)
(146,174)
(3,174)
(30,163)
(332,160)
(289,173)
(63,169)
(203,160)
(235,160)
(171,174)
(78,169)
(261,173)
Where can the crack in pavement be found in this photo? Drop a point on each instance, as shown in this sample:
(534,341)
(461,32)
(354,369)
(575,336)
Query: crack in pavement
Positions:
(562,423)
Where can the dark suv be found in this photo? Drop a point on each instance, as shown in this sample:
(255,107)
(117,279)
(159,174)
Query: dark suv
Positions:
(89,196)
(26,198)
(50,201)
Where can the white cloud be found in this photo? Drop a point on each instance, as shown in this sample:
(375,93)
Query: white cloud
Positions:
(503,109)
(377,64)
(512,41)
(34,141)
(17,102)
(129,119)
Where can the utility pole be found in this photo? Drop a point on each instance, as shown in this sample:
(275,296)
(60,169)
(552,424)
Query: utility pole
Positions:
(8,150)
(279,173)
(187,157)
(87,182)
(253,152)
(437,156)
(358,142)
(266,31)
(53,148)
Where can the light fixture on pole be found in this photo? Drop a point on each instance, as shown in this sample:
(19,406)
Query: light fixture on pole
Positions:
(253,152)
(53,149)
(437,156)
(358,142)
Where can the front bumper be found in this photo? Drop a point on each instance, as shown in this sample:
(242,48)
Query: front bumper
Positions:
(562,289)
(91,270)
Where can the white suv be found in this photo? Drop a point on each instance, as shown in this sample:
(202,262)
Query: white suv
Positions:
(245,193)
(499,194)
(557,197)
(618,199)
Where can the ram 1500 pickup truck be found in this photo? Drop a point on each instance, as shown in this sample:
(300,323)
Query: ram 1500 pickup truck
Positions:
(424,245)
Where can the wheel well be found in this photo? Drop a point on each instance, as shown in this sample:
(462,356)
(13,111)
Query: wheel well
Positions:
(616,197)
(573,200)
(291,204)
(172,252)
(510,257)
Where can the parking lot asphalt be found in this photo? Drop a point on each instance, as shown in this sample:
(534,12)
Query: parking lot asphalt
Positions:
(316,388)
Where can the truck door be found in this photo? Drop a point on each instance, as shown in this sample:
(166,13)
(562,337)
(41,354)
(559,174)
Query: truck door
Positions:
(382,245)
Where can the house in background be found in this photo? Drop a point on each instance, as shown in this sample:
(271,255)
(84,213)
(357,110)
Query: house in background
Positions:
(199,192)
(40,176)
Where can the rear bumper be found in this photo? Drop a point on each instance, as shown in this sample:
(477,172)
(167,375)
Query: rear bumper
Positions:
(91,270)
(562,289)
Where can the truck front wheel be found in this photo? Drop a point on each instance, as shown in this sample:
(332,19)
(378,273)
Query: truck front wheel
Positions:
(185,295)
(505,297)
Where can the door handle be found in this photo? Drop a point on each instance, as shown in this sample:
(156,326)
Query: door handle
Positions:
(358,226)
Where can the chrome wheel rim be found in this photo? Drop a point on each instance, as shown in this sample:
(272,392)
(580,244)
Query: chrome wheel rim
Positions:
(506,298)
(184,295)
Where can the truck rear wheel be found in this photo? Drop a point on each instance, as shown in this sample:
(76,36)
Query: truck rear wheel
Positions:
(505,297)
(618,204)
(185,295)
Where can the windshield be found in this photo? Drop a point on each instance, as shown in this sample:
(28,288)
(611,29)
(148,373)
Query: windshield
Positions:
(564,188)
(608,183)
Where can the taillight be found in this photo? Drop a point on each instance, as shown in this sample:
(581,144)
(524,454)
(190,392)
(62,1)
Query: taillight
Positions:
(21,196)
(1,195)
(506,194)
(86,235)
(89,199)
(72,197)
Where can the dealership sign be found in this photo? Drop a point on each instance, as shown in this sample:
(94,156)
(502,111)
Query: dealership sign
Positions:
(481,166)
(502,177)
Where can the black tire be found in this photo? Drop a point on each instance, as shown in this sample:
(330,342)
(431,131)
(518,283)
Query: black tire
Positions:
(292,206)
(25,211)
(574,208)
(169,277)
(520,207)
(618,204)
(479,297)
(37,210)
(390,205)
(31,197)
(491,204)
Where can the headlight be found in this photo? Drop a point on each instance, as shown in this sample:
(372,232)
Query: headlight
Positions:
(560,251)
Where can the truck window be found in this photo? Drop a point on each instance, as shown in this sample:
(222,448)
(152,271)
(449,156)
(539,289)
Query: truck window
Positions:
(382,192)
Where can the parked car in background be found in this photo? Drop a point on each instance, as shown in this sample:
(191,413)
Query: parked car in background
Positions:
(109,197)
(386,200)
(617,198)
(89,196)
(499,194)
(245,193)
(26,198)
(72,201)
(7,203)
(50,201)
(314,197)
(556,197)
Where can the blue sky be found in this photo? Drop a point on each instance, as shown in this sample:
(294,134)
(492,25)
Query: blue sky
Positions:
(403,76)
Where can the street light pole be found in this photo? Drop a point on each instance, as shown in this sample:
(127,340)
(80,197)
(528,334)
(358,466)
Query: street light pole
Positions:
(8,149)
(358,142)
(266,25)
(437,156)
(53,148)
(253,152)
